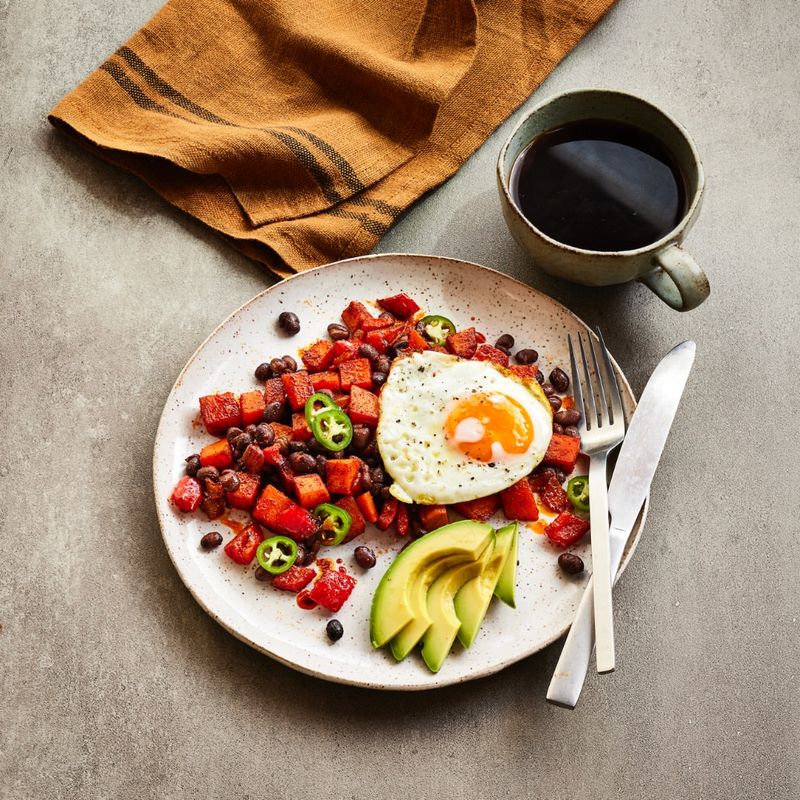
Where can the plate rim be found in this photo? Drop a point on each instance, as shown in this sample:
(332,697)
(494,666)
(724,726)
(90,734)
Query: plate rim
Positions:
(437,682)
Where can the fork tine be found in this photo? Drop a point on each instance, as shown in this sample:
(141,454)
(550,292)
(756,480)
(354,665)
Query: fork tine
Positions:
(577,392)
(616,397)
(601,385)
(590,397)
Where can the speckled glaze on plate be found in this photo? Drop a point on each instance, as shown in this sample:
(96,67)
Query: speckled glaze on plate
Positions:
(270,620)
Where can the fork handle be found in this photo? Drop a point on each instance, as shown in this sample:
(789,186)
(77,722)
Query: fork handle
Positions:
(601,563)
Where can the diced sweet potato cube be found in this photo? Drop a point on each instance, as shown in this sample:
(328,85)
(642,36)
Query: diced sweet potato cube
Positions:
(433,517)
(366,502)
(562,452)
(354,314)
(326,380)
(463,344)
(300,430)
(217,454)
(342,400)
(270,504)
(281,431)
(357,526)
(310,490)
(318,356)
(246,495)
(342,475)
(519,503)
(253,405)
(273,391)
(220,412)
(298,388)
(357,372)
(364,406)
(486,352)
(525,371)
(344,350)
(480,509)
(416,341)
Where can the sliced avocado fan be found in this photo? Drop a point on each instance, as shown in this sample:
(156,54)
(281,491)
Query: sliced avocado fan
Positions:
(506,583)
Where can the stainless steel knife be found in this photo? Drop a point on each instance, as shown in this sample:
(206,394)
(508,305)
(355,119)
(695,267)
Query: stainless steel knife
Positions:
(638,458)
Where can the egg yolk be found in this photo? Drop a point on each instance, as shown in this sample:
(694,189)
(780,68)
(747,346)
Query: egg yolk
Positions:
(487,426)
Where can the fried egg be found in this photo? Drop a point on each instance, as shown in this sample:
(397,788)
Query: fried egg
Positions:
(452,430)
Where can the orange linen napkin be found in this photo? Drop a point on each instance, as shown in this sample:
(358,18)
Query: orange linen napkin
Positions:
(301,130)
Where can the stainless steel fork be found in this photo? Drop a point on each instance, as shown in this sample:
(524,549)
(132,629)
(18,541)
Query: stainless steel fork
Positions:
(602,428)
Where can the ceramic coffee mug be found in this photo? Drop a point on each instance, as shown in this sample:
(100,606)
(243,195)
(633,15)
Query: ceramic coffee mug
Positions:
(663,266)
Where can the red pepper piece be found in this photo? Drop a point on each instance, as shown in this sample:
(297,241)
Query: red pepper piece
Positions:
(274,391)
(388,513)
(566,529)
(332,588)
(525,371)
(356,372)
(342,474)
(344,350)
(392,333)
(220,412)
(294,579)
(358,525)
(296,522)
(270,504)
(364,407)
(246,495)
(401,305)
(519,502)
(378,340)
(317,357)
(562,452)
(486,352)
(433,517)
(187,494)
(217,454)
(366,503)
(253,405)
(462,344)
(326,380)
(305,602)
(242,548)
(481,337)
(553,495)
(298,388)
(401,520)
(480,509)
(310,490)
(375,324)
(354,314)
(300,430)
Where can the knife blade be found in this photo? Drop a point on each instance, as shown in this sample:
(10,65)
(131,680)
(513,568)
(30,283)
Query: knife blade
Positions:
(636,465)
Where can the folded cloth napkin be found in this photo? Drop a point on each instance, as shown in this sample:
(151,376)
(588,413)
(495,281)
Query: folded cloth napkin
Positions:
(301,130)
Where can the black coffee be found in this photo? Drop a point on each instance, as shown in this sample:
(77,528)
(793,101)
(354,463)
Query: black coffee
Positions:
(599,185)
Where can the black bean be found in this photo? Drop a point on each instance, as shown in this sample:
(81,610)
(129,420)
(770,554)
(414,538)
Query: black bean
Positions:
(289,363)
(505,342)
(301,555)
(242,442)
(382,364)
(370,451)
(193,464)
(557,428)
(386,315)
(570,563)
(211,540)
(539,378)
(337,331)
(314,544)
(378,476)
(298,447)
(526,356)
(302,463)
(261,574)
(559,379)
(365,557)
(263,372)
(567,416)
(250,430)
(208,474)
(378,378)
(400,346)
(321,466)
(232,434)
(334,630)
(540,470)
(316,448)
(289,322)
(571,430)
(548,389)
(229,480)
(274,411)
(555,401)
(368,351)
(561,476)
(505,350)
(361,436)
(277,366)
(385,493)
(265,436)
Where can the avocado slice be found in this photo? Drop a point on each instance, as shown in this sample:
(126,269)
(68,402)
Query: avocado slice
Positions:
(472,600)
(439,638)
(508,577)
(400,596)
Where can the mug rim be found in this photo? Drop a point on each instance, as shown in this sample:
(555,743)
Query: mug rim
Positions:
(655,246)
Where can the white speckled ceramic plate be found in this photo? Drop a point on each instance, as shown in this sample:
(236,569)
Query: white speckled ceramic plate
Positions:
(268,619)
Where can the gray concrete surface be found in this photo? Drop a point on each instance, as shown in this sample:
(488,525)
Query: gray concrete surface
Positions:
(115,684)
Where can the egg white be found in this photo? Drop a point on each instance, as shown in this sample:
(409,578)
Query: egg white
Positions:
(415,403)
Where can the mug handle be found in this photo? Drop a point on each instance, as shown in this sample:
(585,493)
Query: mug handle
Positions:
(677,279)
